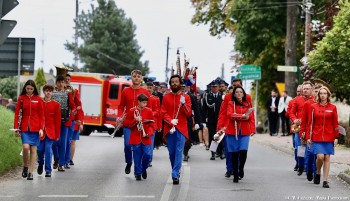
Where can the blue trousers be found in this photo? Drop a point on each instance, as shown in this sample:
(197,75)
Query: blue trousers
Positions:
(310,161)
(153,138)
(127,146)
(295,149)
(176,143)
(69,142)
(59,147)
(300,159)
(227,155)
(141,155)
(45,150)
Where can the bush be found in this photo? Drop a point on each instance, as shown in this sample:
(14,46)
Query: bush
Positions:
(10,146)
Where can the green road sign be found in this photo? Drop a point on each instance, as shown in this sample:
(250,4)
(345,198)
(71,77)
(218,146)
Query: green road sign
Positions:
(287,68)
(250,76)
(250,69)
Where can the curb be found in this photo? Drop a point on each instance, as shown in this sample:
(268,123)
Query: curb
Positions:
(344,177)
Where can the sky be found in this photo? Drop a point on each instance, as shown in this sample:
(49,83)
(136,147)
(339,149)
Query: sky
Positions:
(51,23)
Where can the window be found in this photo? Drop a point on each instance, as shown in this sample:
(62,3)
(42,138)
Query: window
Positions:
(113,91)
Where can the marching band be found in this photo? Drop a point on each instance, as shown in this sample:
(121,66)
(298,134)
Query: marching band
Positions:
(53,123)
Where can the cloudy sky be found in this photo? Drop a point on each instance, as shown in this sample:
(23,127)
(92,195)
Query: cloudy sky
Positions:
(51,23)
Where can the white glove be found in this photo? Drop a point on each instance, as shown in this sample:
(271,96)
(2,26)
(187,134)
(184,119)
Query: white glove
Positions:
(196,127)
(216,137)
(204,125)
(182,100)
(174,121)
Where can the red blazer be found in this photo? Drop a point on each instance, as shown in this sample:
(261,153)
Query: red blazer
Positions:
(79,116)
(170,105)
(72,108)
(136,137)
(156,111)
(52,126)
(129,99)
(324,123)
(234,113)
(296,112)
(304,118)
(290,104)
(32,113)
(223,121)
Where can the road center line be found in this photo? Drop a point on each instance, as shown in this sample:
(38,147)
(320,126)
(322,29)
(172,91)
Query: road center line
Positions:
(130,196)
(6,196)
(63,196)
(167,190)
(185,184)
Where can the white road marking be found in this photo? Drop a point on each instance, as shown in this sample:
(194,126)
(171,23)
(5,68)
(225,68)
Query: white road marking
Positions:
(6,196)
(167,190)
(63,196)
(185,184)
(130,196)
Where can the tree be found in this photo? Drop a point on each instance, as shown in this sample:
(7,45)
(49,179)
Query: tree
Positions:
(40,79)
(8,87)
(109,44)
(330,61)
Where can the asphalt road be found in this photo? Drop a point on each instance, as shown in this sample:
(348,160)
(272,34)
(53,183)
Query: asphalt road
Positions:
(98,174)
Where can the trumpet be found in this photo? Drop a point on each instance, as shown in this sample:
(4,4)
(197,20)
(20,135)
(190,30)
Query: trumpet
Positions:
(139,124)
(295,128)
(119,125)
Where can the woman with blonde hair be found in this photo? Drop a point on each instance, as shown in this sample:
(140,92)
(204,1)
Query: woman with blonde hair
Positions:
(322,132)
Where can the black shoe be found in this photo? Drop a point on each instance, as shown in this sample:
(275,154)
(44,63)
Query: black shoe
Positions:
(71,162)
(325,184)
(60,169)
(212,158)
(317,179)
(228,174)
(127,168)
(55,164)
(48,175)
(300,171)
(176,181)
(296,167)
(40,169)
(235,178)
(30,176)
(144,175)
(150,165)
(138,177)
(186,158)
(206,147)
(66,166)
(222,157)
(241,174)
(25,172)
(310,175)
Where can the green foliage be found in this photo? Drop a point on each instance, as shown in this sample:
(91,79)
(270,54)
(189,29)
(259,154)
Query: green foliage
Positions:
(8,87)
(40,79)
(10,146)
(109,44)
(330,60)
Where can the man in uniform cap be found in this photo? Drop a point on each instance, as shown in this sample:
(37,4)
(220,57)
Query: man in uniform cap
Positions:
(222,86)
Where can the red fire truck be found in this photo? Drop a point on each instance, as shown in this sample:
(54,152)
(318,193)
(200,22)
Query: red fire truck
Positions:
(100,96)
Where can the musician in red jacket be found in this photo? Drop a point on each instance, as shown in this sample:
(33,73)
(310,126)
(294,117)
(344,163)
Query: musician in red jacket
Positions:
(239,129)
(78,127)
(155,107)
(128,101)
(29,124)
(52,129)
(224,120)
(322,133)
(290,104)
(296,113)
(175,109)
(140,120)
(73,130)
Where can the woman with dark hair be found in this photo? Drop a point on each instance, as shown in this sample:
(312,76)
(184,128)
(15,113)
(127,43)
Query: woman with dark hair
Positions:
(322,133)
(29,123)
(239,129)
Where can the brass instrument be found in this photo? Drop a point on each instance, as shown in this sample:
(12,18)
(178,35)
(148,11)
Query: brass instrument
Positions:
(63,70)
(119,125)
(295,128)
(139,124)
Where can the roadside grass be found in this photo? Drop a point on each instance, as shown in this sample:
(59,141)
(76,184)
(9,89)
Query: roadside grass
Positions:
(347,171)
(10,146)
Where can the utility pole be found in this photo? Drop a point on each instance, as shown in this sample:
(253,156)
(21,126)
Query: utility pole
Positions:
(76,34)
(223,72)
(166,62)
(308,5)
(291,47)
